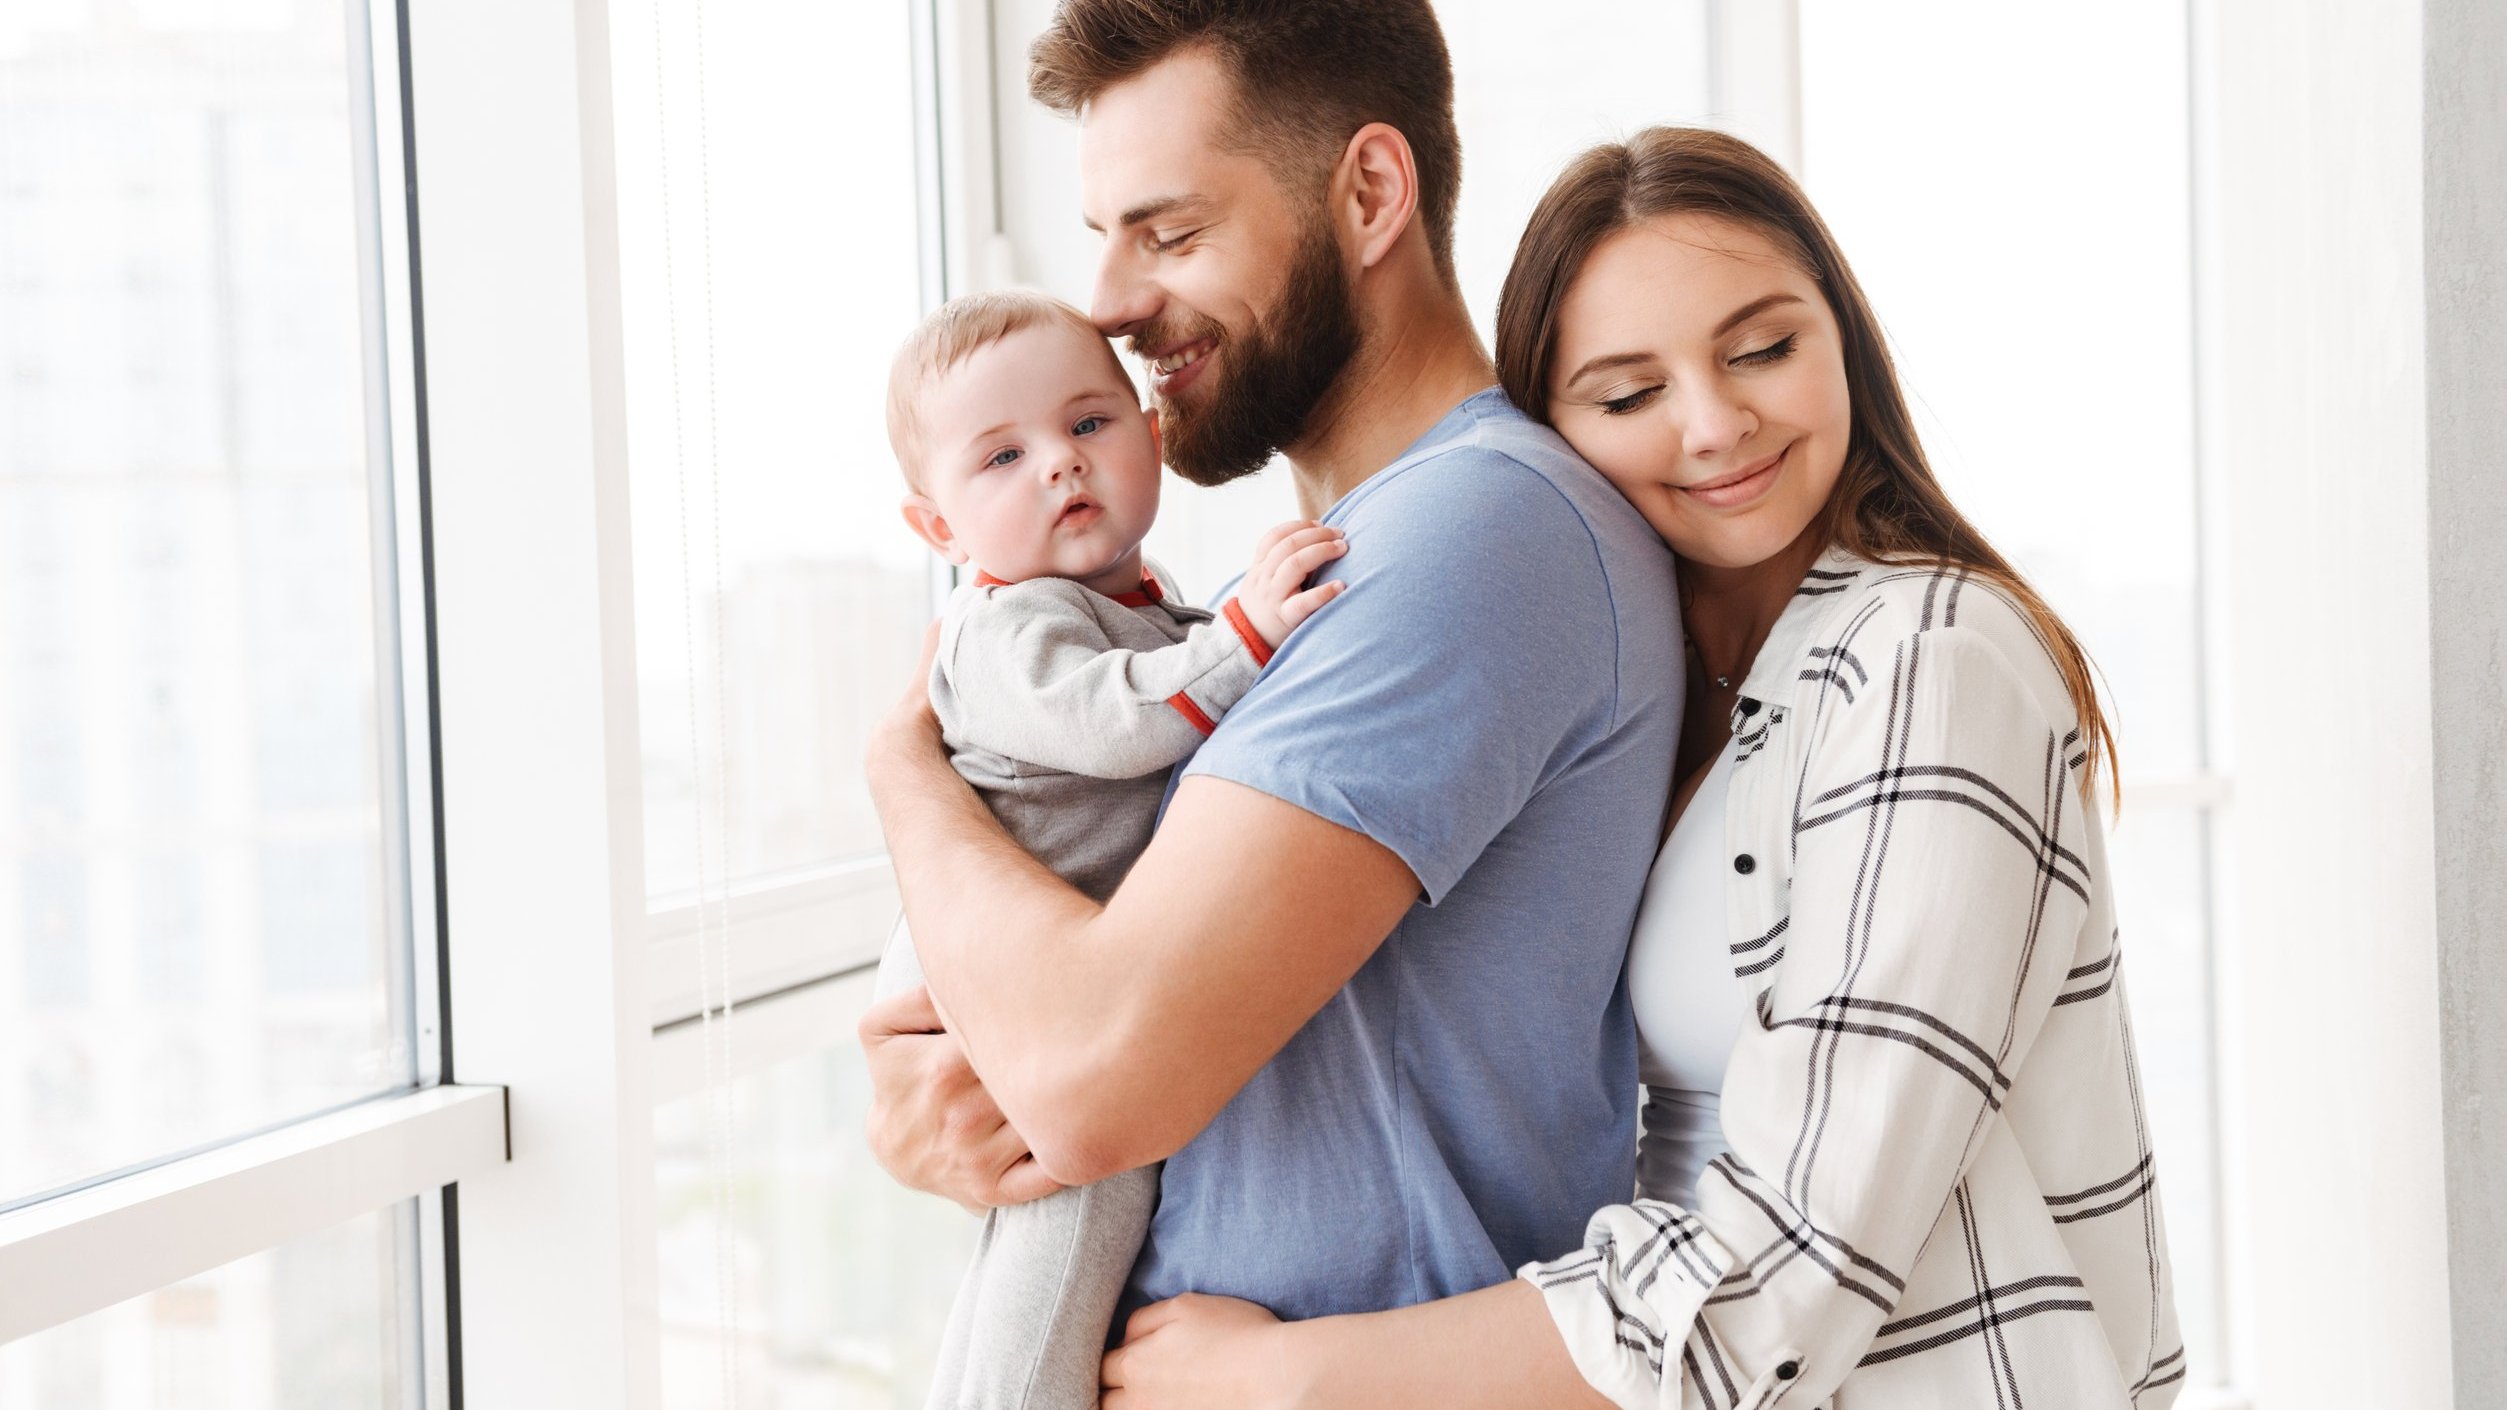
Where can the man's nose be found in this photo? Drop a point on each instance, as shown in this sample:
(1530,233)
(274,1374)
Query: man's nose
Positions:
(1124,301)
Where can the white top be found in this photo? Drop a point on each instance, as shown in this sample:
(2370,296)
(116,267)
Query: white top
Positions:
(1688,1004)
(1937,1185)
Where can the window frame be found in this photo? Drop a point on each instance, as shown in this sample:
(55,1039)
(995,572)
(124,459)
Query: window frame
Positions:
(90,1245)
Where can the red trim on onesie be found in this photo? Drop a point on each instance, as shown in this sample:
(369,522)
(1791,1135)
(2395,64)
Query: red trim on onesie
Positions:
(1148,594)
(1192,714)
(1235,613)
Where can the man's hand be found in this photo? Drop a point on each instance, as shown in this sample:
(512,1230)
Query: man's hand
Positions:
(1273,593)
(932,1125)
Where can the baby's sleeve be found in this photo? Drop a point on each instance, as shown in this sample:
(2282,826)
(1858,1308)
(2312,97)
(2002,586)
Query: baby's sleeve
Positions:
(1036,678)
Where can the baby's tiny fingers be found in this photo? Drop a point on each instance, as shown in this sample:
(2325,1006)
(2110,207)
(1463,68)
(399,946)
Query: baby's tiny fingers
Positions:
(1303,538)
(1272,536)
(1305,604)
(1298,565)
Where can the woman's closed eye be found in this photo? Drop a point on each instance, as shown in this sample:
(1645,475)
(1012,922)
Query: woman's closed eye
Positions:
(1776,351)
(1631,401)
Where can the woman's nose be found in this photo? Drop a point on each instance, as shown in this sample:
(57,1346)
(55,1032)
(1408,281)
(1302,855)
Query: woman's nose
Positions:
(1714,424)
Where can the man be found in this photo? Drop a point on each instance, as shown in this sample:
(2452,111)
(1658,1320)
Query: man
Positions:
(1362,992)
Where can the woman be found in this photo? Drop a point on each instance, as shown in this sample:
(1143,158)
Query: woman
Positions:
(1894,1150)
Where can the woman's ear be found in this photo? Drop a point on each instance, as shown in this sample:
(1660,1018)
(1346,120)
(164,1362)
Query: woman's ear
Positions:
(923,517)
(1376,190)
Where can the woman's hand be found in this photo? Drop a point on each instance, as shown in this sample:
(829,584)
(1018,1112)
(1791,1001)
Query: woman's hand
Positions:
(1198,1352)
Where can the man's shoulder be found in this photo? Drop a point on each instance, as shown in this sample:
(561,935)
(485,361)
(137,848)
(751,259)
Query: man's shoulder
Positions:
(1495,471)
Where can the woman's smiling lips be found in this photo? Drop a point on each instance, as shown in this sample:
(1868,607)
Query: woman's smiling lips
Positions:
(1741,486)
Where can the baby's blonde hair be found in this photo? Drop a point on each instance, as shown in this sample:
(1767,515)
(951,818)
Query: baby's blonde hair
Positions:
(956,331)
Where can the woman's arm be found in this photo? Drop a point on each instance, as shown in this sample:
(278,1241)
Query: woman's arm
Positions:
(1496,1348)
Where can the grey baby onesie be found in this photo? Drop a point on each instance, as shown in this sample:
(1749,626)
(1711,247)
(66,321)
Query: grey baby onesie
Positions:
(1065,709)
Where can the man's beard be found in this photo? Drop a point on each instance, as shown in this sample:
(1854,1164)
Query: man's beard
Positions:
(1273,376)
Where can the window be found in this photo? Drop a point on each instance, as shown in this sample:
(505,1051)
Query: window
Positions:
(217,1042)
(200,935)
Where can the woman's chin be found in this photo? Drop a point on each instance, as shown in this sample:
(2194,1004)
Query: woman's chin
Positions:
(1731,545)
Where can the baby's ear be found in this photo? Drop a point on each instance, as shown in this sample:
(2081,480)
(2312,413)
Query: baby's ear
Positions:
(1157,446)
(923,516)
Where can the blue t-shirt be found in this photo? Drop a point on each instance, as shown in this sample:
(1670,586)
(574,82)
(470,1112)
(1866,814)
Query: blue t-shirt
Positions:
(1496,698)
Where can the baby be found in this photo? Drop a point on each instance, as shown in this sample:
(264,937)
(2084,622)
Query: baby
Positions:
(1069,679)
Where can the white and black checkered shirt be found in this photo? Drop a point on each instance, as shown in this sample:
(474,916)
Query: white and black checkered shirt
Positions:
(1939,1184)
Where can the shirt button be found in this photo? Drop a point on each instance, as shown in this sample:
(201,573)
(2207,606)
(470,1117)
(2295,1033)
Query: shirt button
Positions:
(1788,1370)
(1745,864)
(1748,707)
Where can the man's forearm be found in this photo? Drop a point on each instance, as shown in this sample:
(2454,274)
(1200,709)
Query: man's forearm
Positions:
(1109,1036)
(1001,942)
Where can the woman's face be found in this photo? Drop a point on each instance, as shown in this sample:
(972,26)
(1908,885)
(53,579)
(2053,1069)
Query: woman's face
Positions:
(1701,371)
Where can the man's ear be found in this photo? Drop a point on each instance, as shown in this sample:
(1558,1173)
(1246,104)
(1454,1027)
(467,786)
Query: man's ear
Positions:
(923,517)
(1157,444)
(1376,190)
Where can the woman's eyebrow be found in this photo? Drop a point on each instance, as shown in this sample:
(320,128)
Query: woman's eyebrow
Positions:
(1611,363)
(1753,309)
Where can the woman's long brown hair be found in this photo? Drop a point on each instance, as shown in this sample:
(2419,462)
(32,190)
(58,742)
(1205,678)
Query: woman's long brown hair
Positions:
(1887,506)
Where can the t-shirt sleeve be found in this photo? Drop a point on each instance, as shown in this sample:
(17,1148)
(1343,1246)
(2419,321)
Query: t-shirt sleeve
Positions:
(1474,653)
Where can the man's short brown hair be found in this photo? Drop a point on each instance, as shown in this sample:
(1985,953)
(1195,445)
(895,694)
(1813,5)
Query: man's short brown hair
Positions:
(1308,75)
(956,331)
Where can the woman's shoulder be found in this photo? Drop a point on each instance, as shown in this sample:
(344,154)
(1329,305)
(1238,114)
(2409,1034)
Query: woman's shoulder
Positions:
(1873,611)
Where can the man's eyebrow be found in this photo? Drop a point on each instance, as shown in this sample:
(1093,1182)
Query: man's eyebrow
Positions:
(1146,210)
(1753,309)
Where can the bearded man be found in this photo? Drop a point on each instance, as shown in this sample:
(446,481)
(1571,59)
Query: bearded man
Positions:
(1362,992)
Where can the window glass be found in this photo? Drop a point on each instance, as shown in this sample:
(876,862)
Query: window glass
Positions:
(197,936)
(844,1278)
(770,266)
(2034,274)
(321,1322)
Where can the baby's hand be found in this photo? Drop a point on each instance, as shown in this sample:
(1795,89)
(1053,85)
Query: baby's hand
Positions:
(1271,593)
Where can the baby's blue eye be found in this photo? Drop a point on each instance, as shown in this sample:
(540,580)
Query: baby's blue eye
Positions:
(1001,457)
(1088,425)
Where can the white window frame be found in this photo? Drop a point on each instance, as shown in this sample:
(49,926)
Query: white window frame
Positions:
(95,1244)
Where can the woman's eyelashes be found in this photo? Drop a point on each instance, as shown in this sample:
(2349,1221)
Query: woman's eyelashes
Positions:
(1622,405)
(1767,356)
(1776,351)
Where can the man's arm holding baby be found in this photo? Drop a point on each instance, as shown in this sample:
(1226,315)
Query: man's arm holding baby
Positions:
(1109,1035)
(1074,1007)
